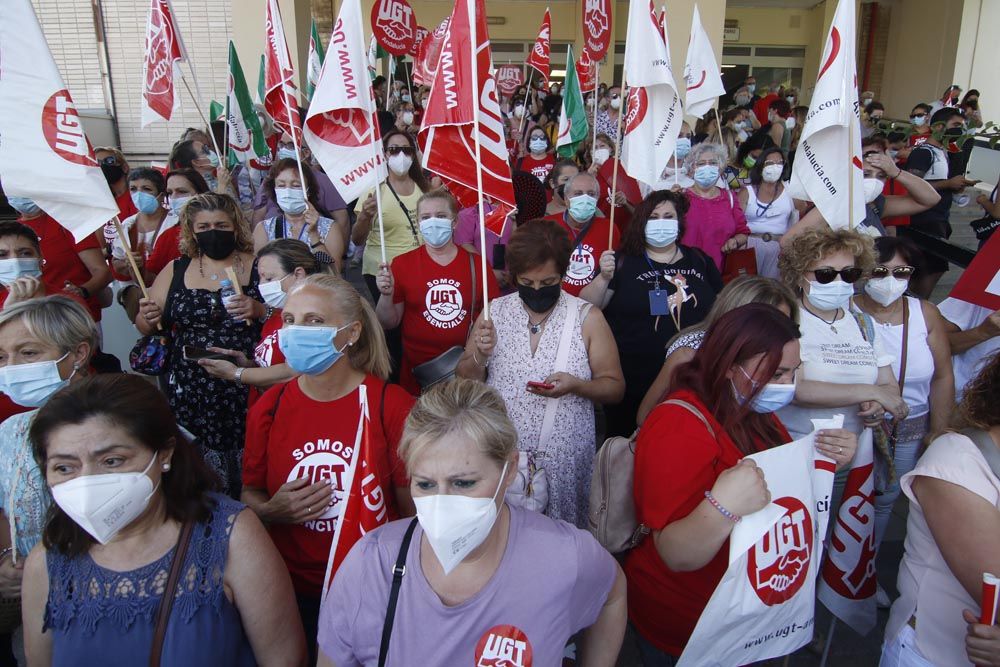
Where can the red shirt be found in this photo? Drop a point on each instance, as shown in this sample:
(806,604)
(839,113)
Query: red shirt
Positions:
(166,249)
(760,107)
(895,188)
(267,353)
(626,185)
(313,439)
(676,461)
(62,258)
(584,263)
(436,305)
(538,168)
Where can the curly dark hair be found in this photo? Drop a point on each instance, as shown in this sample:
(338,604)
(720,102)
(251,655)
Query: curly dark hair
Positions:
(978,407)
(634,241)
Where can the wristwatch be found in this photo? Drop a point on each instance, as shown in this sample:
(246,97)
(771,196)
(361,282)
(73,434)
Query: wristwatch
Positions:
(238,375)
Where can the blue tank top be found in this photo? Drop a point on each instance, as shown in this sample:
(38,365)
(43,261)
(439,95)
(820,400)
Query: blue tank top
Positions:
(101,617)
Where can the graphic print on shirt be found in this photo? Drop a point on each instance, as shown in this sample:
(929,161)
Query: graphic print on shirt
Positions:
(858,354)
(263,354)
(778,564)
(443,304)
(324,460)
(541,172)
(582,266)
(504,646)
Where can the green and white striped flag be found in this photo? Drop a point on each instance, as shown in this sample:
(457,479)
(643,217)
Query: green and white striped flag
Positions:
(316,56)
(246,138)
(573,127)
(215,109)
(261,76)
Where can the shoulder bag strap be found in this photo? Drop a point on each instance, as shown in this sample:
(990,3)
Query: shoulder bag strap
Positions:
(902,354)
(984,443)
(398,570)
(562,361)
(693,410)
(176,285)
(169,593)
(279,227)
(406,211)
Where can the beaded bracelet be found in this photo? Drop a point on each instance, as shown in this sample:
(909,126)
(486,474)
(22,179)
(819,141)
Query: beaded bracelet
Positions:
(735,518)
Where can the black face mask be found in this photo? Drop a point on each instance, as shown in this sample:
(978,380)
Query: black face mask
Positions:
(953,132)
(539,300)
(112,173)
(217,243)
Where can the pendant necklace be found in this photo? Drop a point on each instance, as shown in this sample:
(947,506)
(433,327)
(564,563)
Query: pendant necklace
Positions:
(534,328)
(827,322)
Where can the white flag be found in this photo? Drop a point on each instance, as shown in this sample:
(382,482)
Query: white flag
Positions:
(341,128)
(701,72)
(828,165)
(653,114)
(44,154)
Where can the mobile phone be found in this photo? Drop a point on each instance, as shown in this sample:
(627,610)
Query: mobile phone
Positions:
(192,353)
(541,385)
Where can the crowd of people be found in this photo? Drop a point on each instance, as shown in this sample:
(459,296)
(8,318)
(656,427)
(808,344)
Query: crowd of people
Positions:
(282,352)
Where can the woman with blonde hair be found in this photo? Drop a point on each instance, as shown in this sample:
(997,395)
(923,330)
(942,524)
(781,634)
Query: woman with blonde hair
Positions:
(480,583)
(186,301)
(681,348)
(304,436)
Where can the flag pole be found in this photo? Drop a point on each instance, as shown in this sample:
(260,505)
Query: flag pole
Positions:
(718,121)
(597,77)
(622,110)
(132,263)
(204,119)
(388,83)
(295,142)
(474,39)
(373,119)
(524,116)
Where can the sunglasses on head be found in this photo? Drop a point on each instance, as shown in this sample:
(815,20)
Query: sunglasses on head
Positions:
(849,275)
(399,150)
(901,272)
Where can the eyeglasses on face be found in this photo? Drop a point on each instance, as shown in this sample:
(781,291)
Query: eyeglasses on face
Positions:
(110,160)
(399,150)
(901,272)
(825,275)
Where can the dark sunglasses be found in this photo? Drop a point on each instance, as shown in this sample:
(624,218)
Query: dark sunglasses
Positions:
(110,160)
(849,275)
(397,150)
(901,272)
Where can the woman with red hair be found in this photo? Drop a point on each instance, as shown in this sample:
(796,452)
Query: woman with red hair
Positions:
(691,484)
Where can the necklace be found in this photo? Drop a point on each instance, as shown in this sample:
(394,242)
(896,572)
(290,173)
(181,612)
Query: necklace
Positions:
(836,316)
(534,327)
(237,264)
(673,257)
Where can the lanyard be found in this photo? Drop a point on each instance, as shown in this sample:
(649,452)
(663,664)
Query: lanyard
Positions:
(656,272)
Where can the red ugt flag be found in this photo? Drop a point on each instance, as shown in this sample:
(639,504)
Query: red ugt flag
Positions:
(539,56)
(164,53)
(447,133)
(280,94)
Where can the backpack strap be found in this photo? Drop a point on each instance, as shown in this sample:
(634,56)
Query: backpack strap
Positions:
(693,410)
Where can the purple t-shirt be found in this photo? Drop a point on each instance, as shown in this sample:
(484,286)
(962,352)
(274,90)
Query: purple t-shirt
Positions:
(552,582)
(329,198)
(467,231)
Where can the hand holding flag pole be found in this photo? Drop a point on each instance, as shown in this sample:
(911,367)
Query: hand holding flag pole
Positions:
(132,263)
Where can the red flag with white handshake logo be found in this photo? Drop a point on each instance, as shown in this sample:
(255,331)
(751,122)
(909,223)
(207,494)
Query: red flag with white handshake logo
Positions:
(161,68)
(44,154)
(828,169)
(447,135)
(701,71)
(280,94)
(539,56)
(341,127)
(426,62)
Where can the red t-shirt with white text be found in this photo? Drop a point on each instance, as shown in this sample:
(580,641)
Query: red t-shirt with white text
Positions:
(539,168)
(316,440)
(436,305)
(585,261)
(267,353)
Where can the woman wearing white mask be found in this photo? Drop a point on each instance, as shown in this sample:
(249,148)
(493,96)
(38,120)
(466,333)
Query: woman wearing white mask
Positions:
(539,159)
(434,293)
(480,583)
(607,117)
(45,345)
(131,495)
(913,331)
(675,175)
(281,264)
(20,264)
(291,479)
(182,184)
(649,290)
(769,209)
(399,194)
(301,218)
(716,221)
(628,193)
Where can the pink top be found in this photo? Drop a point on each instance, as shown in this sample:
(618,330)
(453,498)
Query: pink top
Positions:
(711,222)
(467,231)
(927,586)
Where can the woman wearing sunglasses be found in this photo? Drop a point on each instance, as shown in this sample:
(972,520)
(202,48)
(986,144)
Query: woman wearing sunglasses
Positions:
(913,331)
(845,368)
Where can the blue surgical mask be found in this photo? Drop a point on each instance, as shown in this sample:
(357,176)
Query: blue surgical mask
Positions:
(771,398)
(830,296)
(177,203)
(918,120)
(145,202)
(751,87)
(213,158)
(16,267)
(661,233)
(23,205)
(582,207)
(31,385)
(290,200)
(310,350)
(436,231)
(538,145)
(683,147)
(706,175)
(285,153)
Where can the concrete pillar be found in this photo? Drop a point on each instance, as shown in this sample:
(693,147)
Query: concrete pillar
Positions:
(248,35)
(975,54)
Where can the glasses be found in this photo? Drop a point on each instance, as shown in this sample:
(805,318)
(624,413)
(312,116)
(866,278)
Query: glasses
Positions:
(399,150)
(849,275)
(771,163)
(901,272)
(109,160)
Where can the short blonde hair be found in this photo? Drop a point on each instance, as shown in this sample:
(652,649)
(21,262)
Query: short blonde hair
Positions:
(814,244)
(441,194)
(56,319)
(370,354)
(459,406)
(213,201)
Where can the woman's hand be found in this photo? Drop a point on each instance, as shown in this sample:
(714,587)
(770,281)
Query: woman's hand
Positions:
(620,200)
(311,221)
(485,336)
(370,207)
(384,280)
(608,264)
(150,312)
(224,370)
(243,307)
(982,642)
(735,243)
(885,163)
(742,489)
(298,501)
(838,444)
(890,401)
(24,288)
(562,384)
(238,356)
(224,178)
(10,577)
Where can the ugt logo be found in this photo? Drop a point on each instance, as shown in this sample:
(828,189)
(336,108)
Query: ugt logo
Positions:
(64,132)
